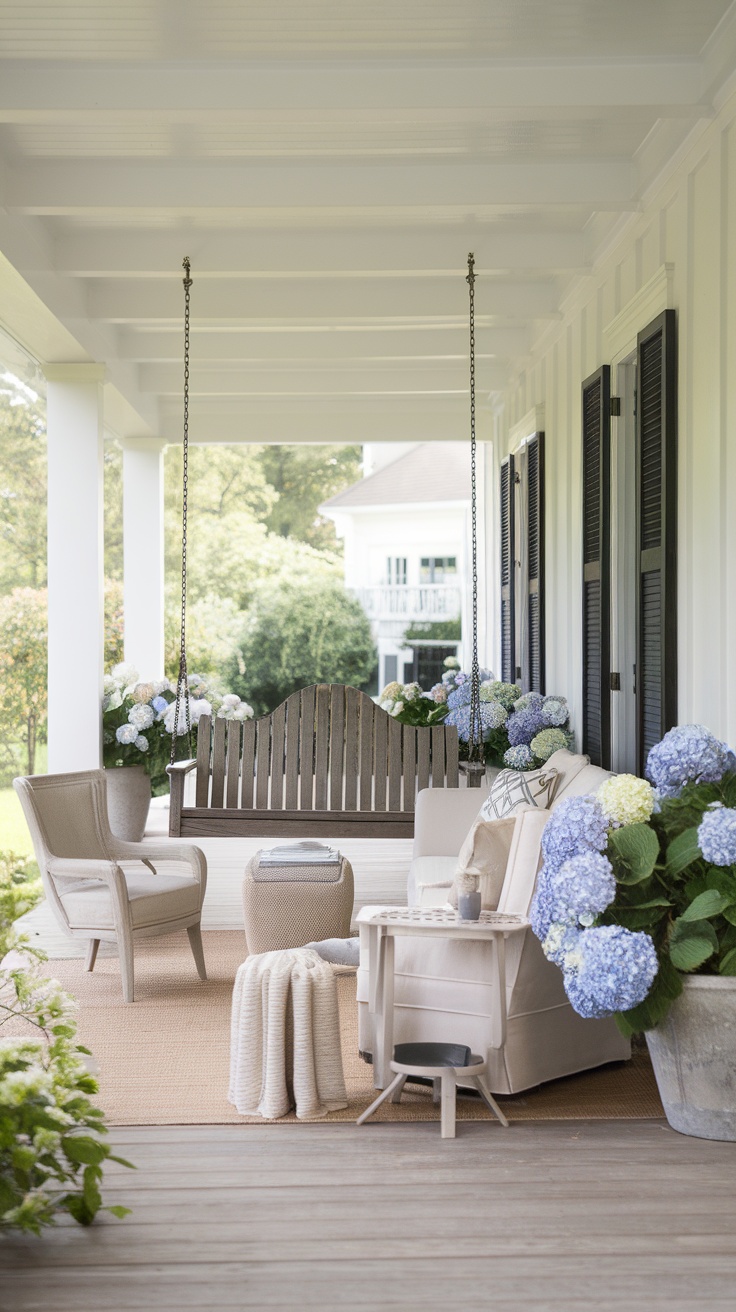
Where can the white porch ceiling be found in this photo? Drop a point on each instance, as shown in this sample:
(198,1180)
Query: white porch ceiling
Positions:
(327,165)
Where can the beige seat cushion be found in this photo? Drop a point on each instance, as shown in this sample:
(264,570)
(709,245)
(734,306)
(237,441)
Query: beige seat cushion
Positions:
(153,899)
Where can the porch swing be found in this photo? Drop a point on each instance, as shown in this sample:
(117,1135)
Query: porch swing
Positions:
(327,762)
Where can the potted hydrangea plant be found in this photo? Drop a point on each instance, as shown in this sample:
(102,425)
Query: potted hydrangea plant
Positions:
(138,721)
(520,731)
(636,902)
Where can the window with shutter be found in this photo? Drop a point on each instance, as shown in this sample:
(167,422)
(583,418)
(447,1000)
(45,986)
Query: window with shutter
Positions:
(656,433)
(535,563)
(508,530)
(596,566)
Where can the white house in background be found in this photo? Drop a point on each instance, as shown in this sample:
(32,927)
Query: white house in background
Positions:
(406,533)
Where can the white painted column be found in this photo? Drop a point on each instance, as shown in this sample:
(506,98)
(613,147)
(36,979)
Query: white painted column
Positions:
(143,555)
(75,565)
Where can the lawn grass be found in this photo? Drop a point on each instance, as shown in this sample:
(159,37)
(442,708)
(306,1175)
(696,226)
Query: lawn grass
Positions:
(14,835)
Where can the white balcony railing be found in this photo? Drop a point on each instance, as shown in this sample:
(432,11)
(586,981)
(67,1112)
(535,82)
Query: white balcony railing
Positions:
(429,601)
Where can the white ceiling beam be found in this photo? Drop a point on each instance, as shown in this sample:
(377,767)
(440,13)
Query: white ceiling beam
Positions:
(373,346)
(47,314)
(33,87)
(377,380)
(224,253)
(314,301)
(74,187)
(390,419)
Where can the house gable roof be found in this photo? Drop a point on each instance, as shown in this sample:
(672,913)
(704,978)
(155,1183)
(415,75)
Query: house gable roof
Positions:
(431,472)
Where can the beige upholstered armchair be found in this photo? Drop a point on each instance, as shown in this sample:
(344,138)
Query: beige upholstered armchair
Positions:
(101,888)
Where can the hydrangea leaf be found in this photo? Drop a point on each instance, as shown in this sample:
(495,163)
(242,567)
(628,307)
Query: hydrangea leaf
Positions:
(709,903)
(728,965)
(638,848)
(730,914)
(682,851)
(692,943)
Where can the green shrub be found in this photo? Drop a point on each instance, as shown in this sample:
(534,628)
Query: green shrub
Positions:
(52,1146)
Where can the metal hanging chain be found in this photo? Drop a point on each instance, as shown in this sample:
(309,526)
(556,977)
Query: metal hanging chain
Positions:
(182,683)
(475,740)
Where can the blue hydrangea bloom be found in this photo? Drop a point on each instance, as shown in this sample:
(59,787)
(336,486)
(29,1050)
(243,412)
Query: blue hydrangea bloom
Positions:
(560,942)
(159,704)
(717,836)
(541,914)
(581,888)
(460,696)
(519,758)
(555,712)
(492,716)
(528,699)
(687,753)
(614,972)
(576,825)
(523,725)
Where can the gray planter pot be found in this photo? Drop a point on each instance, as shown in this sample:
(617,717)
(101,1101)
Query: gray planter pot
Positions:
(468,906)
(693,1053)
(128,800)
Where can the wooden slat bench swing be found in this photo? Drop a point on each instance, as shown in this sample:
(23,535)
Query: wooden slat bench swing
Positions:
(327,763)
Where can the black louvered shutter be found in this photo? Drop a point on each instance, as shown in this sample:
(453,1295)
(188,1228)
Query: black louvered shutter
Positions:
(508,617)
(535,562)
(656,433)
(596,566)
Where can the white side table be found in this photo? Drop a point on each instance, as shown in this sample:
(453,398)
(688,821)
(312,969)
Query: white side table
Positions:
(384,923)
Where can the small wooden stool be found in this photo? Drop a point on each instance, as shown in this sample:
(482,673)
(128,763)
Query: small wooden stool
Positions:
(453,1061)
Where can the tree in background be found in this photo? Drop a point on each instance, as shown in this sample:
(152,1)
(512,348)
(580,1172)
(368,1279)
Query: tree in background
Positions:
(303,477)
(297,635)
(23,664)
(22,485)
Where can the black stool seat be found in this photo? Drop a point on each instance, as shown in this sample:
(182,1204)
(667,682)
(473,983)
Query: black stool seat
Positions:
(432,1054)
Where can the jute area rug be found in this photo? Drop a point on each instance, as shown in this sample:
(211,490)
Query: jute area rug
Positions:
(164,1060)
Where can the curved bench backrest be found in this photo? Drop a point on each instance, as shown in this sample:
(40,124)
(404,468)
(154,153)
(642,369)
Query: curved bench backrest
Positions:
(327,760)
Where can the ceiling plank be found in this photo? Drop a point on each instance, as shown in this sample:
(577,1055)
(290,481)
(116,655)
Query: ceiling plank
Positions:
(315,300)
(74,187)
(225,253)
(28,86)
(391,342)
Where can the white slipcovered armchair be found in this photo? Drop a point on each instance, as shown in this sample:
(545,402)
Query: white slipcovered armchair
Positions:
(445,990)
(100,888)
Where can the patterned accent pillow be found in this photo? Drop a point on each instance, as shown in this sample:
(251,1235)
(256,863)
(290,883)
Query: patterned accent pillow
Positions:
(512,789)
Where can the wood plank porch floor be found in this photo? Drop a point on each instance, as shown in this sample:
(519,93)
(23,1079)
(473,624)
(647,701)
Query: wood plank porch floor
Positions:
(543,1217)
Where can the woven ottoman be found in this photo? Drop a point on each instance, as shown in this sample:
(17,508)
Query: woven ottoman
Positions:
(290,905)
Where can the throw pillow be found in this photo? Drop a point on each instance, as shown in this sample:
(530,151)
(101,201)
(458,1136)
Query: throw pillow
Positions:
(485,853)
(513,789)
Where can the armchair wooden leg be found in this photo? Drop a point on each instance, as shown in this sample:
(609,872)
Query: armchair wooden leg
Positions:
(91,957)
(195,943)
(125,950)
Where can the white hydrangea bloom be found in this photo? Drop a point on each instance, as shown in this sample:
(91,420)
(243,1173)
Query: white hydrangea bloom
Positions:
(126,733)
(243,712)
(398,708)
(143,692)
(141,743)
(626,799)
(169,717)
(230,701)
(141,715)
(199,707)
(109,684)
(159,686)
(125,674)
(112,700)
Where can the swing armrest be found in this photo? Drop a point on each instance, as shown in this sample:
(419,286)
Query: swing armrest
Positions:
(181,767)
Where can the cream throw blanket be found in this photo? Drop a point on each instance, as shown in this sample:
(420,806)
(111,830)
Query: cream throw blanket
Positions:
(285,1037)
